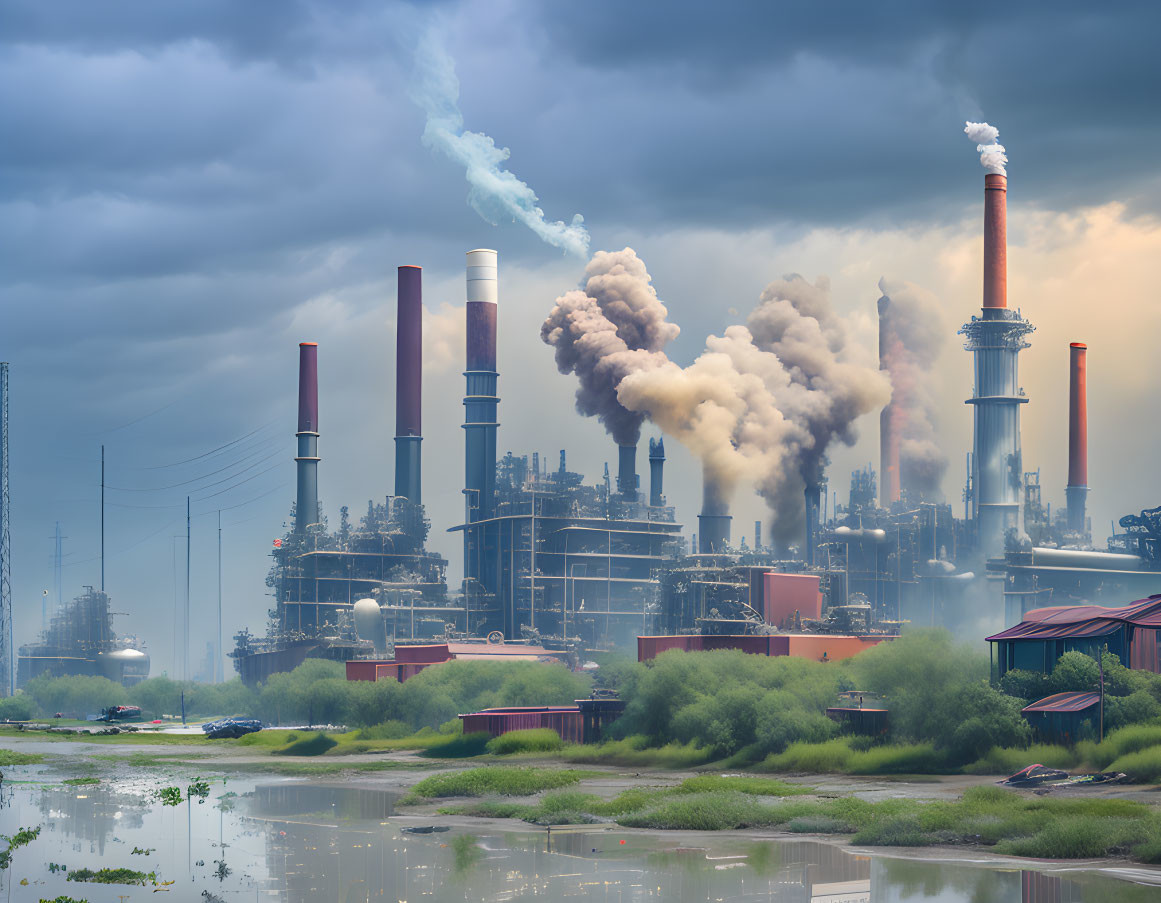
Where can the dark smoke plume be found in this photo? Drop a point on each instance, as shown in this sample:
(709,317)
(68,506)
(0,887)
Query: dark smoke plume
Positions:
(912,336)
(606,330)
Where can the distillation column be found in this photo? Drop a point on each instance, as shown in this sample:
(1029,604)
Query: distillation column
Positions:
(409,384)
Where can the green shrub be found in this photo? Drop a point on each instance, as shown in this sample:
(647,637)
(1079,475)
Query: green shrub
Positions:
(20,707)
(12,757)
(635,751)
(463,746)
(388,730)
(705,812)
(718,783)
(542,739)
(494,779)
(314,745)
(815,758)
(112,876)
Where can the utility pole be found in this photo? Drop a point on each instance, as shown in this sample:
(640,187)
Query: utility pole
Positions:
(102,518)
(185,652)
(221,671)
(7,660)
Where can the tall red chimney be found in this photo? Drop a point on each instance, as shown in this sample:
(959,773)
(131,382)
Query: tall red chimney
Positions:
(995,240)
(1077,487)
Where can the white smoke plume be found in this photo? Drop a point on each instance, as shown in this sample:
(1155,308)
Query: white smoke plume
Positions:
(911,337)
(605,331)
(992,155)
(495,192)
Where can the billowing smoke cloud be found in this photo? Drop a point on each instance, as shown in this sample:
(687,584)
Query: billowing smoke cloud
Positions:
(911,337)
(992,155)
(763,402)
(606,330)
(495,192)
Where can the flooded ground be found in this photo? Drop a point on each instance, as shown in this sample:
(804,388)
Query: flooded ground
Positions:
(310,840)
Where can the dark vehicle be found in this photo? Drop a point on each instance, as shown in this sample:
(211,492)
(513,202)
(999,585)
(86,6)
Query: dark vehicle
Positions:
(231,728)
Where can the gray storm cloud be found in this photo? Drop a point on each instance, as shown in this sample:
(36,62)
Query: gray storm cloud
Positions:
(911,338)
(605,331)
(760,405)
(495,192)
(987,138)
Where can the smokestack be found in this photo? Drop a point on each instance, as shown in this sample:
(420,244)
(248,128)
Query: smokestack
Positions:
(1077,487)
(656,472)
(889,439)
(995,340)
(813,495)
(995,240)
(627,480)
(481,402)
(757,536)
(713,524)
(306,506)
(409,383)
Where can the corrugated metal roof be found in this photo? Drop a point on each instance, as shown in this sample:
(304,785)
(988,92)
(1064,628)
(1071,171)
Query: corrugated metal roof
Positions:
(1064,702)
(1083,620)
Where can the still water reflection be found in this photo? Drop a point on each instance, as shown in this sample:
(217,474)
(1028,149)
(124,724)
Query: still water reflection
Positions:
(306,842)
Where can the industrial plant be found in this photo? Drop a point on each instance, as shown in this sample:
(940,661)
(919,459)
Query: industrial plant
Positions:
(558,566)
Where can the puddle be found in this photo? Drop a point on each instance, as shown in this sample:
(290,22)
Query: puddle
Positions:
(302,841)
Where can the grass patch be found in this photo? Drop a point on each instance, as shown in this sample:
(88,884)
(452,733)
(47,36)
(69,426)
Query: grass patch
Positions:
(716,783)
(458,746)
(1003,762)
(633,752)
(313,745)
(80,782)
(12,757)
(838,756)
(536,740)
(492,781)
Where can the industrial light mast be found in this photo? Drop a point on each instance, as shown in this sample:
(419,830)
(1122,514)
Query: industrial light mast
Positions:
(6,658)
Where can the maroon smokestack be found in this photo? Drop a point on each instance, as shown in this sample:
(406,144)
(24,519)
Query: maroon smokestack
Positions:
(995,240)
(1077,487)
(409,383)
(308,387)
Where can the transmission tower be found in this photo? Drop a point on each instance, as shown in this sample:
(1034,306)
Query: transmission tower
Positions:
(6,658)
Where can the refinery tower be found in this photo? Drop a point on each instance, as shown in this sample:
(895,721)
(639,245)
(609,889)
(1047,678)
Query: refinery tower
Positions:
(995,339)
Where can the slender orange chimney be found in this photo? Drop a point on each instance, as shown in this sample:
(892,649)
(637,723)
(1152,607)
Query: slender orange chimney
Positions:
(1077,487)
(995,240)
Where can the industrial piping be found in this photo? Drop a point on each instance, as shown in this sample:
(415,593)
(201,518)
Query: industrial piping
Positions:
(481,401)
(306,505)
(409,384)
(1077,487)
(889,477)
(813,497)
(995,339)
(656,472)
(627,481)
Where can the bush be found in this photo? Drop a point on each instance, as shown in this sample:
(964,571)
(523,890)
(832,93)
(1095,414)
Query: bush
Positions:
(1006,762)
(838,757)
(728,701)
(388,730)
(543,739)
(20,707)
(75,695)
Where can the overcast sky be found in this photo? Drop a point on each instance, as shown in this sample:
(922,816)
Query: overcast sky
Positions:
(189,189)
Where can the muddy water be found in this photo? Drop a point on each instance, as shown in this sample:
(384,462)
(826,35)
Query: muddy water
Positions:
(305,841)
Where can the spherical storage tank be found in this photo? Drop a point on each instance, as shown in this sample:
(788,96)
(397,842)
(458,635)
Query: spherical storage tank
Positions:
(368,619)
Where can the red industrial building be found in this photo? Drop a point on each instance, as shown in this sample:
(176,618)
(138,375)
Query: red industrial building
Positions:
(820,647)
(1132,633)
(410,660)
(584,722)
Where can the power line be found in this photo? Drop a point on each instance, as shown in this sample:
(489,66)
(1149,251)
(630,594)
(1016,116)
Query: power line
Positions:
(205,476)
(214,451)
